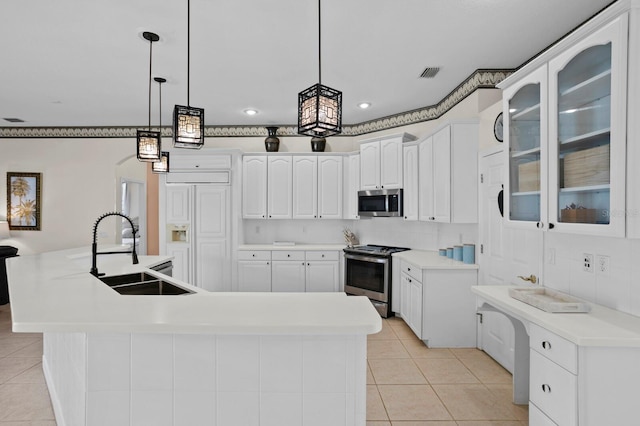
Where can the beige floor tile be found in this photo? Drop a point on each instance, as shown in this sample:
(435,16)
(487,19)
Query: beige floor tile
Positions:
(469,353)
(417,349)
(33,350)
(22,401)
(426,423)
(445,370)
(412,402)
(396,372)
(377,349)
(394,321)
(487,370)
(32,375)
(489,423)
(404,332)
(370,379)
(505,393)
(368,424)
(11,367)
(13,343)
(375,407)
(474,402)
(385,334)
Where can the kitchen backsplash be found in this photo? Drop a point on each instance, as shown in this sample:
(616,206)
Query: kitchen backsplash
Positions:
(613,280)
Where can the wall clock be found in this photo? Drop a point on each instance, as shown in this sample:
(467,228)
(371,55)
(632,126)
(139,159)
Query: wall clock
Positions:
(498,128)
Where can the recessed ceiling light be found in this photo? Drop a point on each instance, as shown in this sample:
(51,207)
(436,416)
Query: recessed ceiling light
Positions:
(364,105)
(250,111)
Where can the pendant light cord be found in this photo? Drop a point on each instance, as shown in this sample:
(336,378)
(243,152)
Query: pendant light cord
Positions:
(188,48)
(160,109)
(319,45)
(150,56)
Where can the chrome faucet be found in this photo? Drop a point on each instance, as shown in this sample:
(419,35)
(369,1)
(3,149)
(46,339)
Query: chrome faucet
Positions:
(94,245)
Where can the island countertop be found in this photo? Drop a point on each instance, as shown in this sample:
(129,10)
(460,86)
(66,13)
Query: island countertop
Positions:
(54,292)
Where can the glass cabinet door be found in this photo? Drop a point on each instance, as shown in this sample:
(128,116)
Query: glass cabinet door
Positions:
(587,136)
(584,138)
(525,109)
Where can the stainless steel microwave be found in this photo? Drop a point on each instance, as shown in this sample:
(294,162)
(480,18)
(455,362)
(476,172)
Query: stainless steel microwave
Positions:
(380,203)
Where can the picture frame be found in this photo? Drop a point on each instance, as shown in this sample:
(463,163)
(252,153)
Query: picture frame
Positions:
(24,203)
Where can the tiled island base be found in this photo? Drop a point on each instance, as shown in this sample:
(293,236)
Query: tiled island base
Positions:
(196,379)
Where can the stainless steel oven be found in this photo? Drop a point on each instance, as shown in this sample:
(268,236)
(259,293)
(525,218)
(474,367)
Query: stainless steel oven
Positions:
(368,273)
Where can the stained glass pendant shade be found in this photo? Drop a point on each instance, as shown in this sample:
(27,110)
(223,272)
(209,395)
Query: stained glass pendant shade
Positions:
(147,141)
(319,106)
(161,166)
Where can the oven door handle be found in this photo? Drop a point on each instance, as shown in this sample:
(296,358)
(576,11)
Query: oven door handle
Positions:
(366,258)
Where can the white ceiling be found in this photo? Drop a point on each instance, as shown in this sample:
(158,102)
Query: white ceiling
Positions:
(85,63)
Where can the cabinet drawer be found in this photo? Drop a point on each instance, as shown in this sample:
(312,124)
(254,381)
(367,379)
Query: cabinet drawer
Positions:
(287,255)
(538,418)
(411,270)
(553,390)
(254,255)
(554,347)
(322,255)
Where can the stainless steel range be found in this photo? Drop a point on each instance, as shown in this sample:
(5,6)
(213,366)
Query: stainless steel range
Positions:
(368,273)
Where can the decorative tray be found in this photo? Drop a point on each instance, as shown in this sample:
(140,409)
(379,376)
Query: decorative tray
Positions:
(549,300)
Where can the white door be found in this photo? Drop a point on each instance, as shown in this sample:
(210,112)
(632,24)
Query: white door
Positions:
(212,239)
(504,254)
(370,165)
(410,182)
(279,187)
(288,276)
(322,276)
(254,275)
(254,187)
(425,179)
(329,187)
(391,163)
(305,187)
(442,175)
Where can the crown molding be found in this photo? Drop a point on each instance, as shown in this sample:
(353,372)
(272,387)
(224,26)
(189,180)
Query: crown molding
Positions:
(480,79)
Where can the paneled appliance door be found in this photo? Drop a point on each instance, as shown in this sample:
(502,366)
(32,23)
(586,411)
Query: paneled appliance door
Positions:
(587,123)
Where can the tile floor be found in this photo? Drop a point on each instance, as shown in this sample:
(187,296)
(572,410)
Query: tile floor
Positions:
(408,384)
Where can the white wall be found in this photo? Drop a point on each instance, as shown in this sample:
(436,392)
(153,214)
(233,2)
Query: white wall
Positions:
(78,185)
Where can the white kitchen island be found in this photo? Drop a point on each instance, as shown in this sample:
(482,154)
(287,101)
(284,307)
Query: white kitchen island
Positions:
(198,359)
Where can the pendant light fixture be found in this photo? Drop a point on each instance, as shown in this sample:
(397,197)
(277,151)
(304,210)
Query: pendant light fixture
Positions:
(148,142)
(319,107)
(162,165)
(188,121)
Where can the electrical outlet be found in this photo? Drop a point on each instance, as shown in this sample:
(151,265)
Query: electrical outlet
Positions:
(587,266)
(603,264)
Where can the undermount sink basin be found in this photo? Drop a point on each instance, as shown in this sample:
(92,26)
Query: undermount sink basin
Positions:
(143,283)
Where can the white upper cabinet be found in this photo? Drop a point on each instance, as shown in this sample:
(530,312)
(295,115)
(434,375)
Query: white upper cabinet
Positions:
(305,187)
(254,187)
(351,186)
(410,178)
(329,187)
(279,187)
(381,162)
(565,128)
(449,174)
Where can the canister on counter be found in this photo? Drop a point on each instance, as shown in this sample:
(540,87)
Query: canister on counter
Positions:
(450,252)
(469,253)
(442,252)
(457,253)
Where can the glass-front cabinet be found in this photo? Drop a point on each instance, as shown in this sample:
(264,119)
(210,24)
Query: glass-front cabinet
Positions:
(526,136)
(566,138)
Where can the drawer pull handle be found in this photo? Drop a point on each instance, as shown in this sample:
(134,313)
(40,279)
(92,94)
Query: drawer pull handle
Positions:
(546,388)
(531,278)
(546,345)
(288,255)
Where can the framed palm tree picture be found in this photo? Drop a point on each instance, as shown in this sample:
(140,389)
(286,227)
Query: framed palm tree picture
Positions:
(23,201)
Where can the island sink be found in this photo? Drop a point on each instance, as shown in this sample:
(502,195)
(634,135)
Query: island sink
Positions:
(142,283)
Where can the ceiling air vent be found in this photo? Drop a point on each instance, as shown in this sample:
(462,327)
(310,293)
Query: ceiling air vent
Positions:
(429,72)
(14,120)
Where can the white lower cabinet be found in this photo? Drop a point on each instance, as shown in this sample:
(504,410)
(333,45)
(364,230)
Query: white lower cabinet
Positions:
(289,271)
(438,305)
(254,271)
(538,418)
